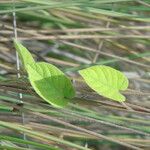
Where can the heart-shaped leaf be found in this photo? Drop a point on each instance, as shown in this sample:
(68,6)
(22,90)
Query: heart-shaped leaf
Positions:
(50,83)
(106,81)
(26,57)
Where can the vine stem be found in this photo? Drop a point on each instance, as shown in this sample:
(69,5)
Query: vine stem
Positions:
(126,106)
(17,61)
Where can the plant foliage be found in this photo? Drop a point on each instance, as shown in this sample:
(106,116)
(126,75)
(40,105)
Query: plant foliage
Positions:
(47,80)
(106,81)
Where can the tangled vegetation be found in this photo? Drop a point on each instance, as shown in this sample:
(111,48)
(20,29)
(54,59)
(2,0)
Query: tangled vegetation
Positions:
(81,38)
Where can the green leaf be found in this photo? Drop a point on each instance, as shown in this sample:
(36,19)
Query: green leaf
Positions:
(106,81)
(50,83)
(26,57)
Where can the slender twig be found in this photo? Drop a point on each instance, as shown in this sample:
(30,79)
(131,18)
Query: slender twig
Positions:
(73,37)
(104,53)
(143,3)
(86,131)
(100,45)
(67,111)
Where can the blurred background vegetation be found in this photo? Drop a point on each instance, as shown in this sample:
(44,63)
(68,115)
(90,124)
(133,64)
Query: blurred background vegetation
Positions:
(75,34)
